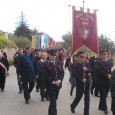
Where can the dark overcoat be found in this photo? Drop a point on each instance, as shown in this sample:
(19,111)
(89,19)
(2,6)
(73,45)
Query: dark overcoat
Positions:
(53,73)
(78,74)
(112,86)
(101,73)
(24,69)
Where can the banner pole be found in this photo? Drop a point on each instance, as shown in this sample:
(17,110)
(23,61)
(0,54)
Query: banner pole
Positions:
(83,5)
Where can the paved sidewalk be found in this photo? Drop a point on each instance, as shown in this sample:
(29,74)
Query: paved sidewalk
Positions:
(12,103)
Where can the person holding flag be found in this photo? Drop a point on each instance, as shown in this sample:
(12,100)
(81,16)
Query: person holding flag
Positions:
(80,71)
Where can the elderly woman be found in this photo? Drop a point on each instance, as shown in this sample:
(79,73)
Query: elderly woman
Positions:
(112,84)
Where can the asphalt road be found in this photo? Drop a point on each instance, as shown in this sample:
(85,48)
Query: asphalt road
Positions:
(13,103)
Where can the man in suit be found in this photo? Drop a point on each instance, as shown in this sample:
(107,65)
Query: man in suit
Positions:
(112,86)
(40,76)
(16,57)
(93,60)
(26,70)
(54,74)
(81,72)
(102,79)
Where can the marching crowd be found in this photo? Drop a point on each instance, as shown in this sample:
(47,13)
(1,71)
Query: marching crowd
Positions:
(44,69)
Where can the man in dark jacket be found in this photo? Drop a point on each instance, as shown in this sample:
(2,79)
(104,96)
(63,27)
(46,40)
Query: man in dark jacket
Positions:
(16,57)
(40,76)
(81,71)
(93,60)
(37,58)
(102,79)
(54,74)
(112,85)
(26,70)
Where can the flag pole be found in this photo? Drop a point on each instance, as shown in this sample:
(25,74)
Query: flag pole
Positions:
(84,62)
(83,5)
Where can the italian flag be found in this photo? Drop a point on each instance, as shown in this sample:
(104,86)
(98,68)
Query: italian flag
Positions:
(3,66)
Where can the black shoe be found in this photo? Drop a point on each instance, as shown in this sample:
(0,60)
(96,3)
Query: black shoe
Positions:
(49,113)
(47,98)
(29,97)
(72,109)
(86,114)
(27,102)
(2,90)
(37,90)
(20,91)
(97,95)
(42,99)
(71,93)
(91,92)
(106,112)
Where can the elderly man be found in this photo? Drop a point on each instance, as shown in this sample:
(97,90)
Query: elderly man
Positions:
(40,76)
(26,70)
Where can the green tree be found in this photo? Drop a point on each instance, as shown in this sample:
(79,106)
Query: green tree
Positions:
(34,31)
(105,43)
(21,42)
(67,41)
(22,29)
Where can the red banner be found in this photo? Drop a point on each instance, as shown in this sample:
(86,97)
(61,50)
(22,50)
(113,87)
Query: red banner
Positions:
(84,30)
(50,40)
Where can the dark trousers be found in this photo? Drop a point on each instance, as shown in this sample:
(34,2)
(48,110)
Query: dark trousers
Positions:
(53,95)
(79,94)
(2,82)
(103,94)
(42,89)
(113,112)
(38,83)
(113,105)
(95,89)
(27,89)
(19,83)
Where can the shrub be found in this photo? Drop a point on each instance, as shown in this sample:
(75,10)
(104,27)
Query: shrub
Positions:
(21,42)
(6,43)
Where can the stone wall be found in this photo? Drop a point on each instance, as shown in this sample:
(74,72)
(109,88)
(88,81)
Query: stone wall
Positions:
(10,52)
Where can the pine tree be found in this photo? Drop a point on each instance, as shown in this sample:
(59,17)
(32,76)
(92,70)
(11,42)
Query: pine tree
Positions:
(22,29)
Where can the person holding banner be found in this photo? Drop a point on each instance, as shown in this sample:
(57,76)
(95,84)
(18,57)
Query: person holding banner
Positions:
(81,70)
(4,67)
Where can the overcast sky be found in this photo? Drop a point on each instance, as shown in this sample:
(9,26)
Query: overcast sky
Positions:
(53,16)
